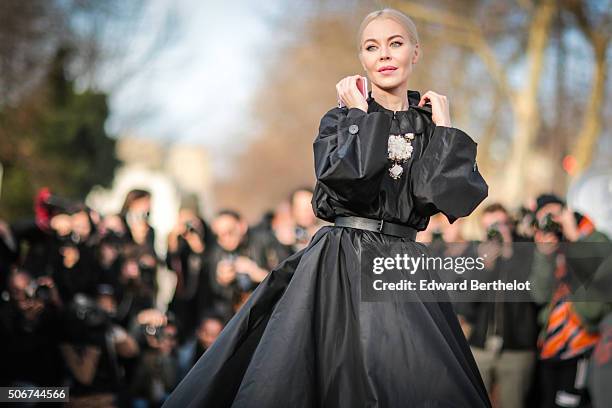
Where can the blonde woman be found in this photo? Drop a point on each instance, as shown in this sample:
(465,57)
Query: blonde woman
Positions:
(385,162)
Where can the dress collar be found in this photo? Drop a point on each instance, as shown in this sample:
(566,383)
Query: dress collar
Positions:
(413,100)
(412,120)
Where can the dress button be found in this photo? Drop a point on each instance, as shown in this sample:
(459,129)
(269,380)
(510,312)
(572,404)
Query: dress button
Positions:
(353,129)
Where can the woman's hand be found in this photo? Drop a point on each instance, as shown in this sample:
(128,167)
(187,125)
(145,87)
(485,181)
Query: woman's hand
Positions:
(350,95)
(439,108)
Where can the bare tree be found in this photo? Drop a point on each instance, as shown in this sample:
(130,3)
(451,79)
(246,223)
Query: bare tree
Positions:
(468,32)
(596,27)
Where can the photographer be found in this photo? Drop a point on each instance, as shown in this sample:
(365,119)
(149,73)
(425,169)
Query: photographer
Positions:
(113,237)
(306,222)
(287,229)
(570,328)
(502,333)
(29,332)
(8,253)
(235,265)
(132,293)
(94,348)
(207,332)
(39,237)
(188,245)
(156,373)
(526,224)
(75,266)
(276,234)
(59,243)
(135,214)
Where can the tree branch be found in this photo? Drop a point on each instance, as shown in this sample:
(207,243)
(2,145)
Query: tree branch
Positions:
(466,33)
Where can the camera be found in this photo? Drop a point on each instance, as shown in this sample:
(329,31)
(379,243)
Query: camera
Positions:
(229,258)
(494,234)
(113,238)
(243,281)
(301,234)
(85,322)
(88,313)
(72,239)
(547,224)
(36,291)
(154,331)
(436,236)
(190,227)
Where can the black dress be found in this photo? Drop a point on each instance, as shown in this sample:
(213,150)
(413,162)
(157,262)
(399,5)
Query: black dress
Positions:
(304,338)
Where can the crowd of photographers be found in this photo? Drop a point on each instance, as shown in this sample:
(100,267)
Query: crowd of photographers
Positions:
(552,348)
(79,292)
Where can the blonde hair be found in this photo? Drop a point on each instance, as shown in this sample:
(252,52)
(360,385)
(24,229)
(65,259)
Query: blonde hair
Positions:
(396,15)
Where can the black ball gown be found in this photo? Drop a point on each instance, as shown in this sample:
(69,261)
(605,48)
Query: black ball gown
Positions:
(304,338)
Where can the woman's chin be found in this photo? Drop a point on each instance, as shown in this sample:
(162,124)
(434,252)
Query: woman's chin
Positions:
(388,85)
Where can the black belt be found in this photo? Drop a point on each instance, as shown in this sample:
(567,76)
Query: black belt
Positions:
(381,226)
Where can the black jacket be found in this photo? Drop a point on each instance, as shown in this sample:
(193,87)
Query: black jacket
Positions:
(515,322)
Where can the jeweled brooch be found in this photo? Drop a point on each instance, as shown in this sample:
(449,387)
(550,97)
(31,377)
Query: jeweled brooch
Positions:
(399,150)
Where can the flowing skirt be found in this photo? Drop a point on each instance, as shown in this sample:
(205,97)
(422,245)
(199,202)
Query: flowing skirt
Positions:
(305,339)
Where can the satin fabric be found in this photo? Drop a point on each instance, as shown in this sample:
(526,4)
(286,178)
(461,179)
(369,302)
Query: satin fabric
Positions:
(352,169)
(304,338)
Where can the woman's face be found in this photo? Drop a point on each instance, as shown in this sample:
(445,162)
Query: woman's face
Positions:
(386,44)
(142,204)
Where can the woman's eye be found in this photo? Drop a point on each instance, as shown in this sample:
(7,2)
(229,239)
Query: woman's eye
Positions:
(370,48)
(396,44)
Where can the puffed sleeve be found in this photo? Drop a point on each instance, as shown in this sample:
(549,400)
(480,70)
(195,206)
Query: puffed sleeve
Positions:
(446,178)
(350,153)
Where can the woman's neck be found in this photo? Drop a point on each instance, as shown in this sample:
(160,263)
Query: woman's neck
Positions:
(394,100)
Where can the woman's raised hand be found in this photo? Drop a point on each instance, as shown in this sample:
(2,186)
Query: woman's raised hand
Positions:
(440,113)
(349,94)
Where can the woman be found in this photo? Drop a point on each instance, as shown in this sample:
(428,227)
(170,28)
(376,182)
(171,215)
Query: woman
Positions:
(135,214)
(305,338)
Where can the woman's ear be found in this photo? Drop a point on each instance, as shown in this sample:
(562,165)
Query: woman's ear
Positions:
(416,53)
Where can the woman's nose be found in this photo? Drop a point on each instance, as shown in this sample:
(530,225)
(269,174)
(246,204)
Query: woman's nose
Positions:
(384,53)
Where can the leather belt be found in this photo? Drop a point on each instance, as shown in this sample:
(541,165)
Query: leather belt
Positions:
(380,226)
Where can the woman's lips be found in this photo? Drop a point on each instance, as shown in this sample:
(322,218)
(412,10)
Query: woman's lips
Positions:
(387,70)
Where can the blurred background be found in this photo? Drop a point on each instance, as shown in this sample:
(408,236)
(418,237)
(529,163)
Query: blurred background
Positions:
(224,101)
(156,163)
